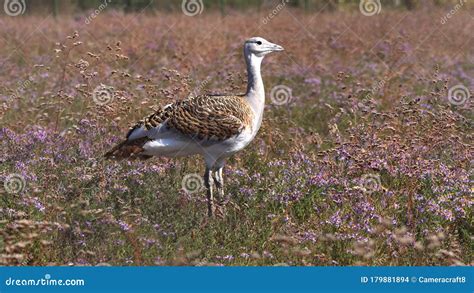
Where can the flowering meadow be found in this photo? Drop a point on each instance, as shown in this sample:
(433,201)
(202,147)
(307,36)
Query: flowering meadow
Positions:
(364,156)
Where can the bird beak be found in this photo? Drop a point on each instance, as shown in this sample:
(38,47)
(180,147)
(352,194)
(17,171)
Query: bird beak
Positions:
(276,48)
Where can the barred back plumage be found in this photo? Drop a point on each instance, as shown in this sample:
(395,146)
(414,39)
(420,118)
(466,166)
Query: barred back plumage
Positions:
(202,117)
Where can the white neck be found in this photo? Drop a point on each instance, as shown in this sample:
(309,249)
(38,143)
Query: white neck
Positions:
(255,92)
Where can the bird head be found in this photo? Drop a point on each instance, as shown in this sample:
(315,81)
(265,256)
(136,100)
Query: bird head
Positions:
(260,47)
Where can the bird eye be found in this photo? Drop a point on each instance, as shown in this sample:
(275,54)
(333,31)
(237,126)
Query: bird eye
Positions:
(259,43)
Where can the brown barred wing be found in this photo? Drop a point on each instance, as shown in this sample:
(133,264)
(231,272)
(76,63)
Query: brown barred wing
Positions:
(155,119)
(211,117)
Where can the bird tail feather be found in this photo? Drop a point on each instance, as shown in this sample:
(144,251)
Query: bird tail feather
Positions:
(128,149)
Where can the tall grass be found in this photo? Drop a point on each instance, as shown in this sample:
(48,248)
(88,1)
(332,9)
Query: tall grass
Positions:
(367,164)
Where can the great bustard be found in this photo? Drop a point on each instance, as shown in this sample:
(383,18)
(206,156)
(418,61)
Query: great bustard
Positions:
(214,126)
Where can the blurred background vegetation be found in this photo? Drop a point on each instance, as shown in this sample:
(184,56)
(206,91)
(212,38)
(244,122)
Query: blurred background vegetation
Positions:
(71,6)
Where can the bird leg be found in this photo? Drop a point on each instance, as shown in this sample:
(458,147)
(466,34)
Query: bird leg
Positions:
(208,181)
(219,181)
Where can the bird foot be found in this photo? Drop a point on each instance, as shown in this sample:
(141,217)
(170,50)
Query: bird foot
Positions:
(222,199)
(220,211)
